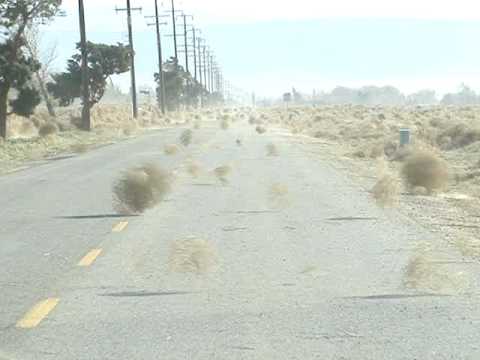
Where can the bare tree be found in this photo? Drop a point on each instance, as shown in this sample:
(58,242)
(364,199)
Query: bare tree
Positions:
(46,58)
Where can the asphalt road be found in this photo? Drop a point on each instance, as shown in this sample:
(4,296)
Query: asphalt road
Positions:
(308,267)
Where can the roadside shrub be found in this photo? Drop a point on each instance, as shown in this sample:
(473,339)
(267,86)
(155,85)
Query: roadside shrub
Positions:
(260,129)
(47,129)
(425,169)
(224,124)
(170,149)
(457,136)
(272,149)
(186,137)
(79,148)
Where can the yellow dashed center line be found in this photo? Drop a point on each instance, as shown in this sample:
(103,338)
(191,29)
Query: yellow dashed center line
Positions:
(120,226)
(37,313)
(88,259)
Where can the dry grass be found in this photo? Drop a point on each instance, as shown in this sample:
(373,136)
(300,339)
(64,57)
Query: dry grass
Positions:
(194,169)
(224,124)
(197,124)
(459,135)
(386,191)
(47,129)
(192,255)
(108,122)
(424,274)
(129,129)
(420,191)
(400,154)
(170,149)
(272,150)
(140,188)
(424,168)
(469,247)
(19,127)
(186,137)
(80,148)
(278,196)
(277,190)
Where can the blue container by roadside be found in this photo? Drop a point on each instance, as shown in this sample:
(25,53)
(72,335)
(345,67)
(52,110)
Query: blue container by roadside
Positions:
(404,137)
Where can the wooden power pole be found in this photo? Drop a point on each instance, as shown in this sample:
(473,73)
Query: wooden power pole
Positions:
(132,56)
(86,123)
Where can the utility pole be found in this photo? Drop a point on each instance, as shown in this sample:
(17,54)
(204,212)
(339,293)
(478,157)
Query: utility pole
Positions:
(174,32)
(210,72)
(132,56)
(161,76)
(194,54)
(217,79)
(132,60)
(207,71)
(200,71)
(160,61)
(185,40)
(86,123)
(205,68)
(199,40)
(213,75)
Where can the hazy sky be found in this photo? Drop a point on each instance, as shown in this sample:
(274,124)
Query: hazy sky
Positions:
(270,46)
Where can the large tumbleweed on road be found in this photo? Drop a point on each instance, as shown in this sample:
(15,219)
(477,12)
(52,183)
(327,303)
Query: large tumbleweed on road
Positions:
(140,188)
